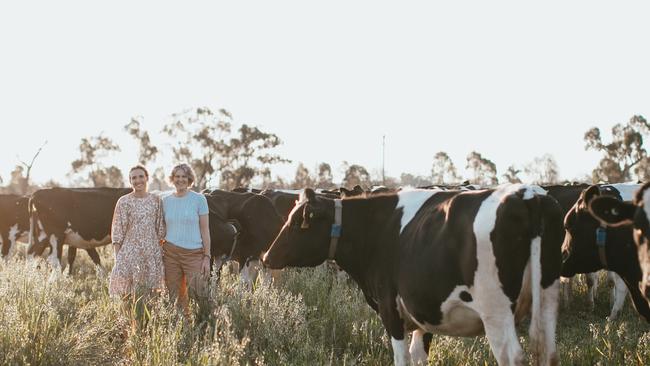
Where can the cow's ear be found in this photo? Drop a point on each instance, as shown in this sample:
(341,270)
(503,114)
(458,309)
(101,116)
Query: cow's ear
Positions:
(638,197)
(589,194)
(310,194)
(611,211)
(312,212)
(307,215)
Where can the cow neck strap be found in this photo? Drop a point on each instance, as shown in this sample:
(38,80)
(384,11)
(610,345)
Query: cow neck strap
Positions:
(335,233)
(234,241)
(601,244)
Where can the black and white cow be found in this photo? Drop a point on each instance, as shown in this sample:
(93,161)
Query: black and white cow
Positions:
(633,216)
(590,245)
(14,222)
(445,262)
(79,217)
(242,227)
(567,196)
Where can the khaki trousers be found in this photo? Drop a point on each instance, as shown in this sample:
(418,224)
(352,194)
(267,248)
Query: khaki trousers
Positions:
(183,273)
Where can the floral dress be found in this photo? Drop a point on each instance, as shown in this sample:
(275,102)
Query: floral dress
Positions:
(138,225)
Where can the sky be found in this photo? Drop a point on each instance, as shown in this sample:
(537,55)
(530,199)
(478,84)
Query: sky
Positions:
(512,80)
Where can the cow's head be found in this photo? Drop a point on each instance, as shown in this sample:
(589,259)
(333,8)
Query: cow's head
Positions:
(305,238)
(242,225)
(222,235)
(589,245)
(614,213)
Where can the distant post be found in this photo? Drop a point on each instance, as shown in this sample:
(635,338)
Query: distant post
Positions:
(383,160)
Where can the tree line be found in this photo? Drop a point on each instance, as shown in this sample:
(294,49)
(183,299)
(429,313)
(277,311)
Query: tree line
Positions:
(227,157)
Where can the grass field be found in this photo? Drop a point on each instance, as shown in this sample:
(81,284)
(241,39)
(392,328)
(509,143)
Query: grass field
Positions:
(308,318)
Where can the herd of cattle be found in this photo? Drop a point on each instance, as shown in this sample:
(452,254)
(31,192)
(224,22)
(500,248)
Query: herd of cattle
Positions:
(442,260)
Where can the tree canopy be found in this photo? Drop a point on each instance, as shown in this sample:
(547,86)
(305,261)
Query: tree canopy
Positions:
(93,150)
(483,170)
(203,138)
(228,156)
(624,154)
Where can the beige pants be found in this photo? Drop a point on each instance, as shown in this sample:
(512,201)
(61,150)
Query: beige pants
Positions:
(183,273)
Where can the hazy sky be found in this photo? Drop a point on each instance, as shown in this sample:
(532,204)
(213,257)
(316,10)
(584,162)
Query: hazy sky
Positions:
(512,80)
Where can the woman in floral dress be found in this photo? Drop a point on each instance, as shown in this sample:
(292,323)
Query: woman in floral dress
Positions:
(138,226)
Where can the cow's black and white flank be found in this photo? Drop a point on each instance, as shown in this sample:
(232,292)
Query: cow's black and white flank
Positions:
(79,217)
(590,245)
(444,262)
(14,222)
(635,218)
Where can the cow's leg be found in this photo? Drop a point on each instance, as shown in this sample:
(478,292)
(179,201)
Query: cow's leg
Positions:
(217,265)
(4,241)
(37,243)
(418,348)
(15,235)
(426,341)
(72,254)
(269,275)
(13,247)
(618,294)
(567,290)
(37,249)
(36,246)
(549,310)
(275,275)
(500,330)
(56,247)
(592,288)
(400,352)
(545,264)
(395,328)
(638,298)
(249,271)
(94,256)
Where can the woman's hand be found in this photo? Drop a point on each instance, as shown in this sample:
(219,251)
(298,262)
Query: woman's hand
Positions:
(204,226)
(205,265)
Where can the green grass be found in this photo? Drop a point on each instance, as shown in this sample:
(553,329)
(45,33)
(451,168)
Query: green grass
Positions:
(309,318)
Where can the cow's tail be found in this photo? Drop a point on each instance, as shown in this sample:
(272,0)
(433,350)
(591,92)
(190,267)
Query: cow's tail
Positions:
(545,264)
(531,292)
(33,227)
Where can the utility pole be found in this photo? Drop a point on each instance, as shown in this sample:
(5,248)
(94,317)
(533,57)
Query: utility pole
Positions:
(383,160)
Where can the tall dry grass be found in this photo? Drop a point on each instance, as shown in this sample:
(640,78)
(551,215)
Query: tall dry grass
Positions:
(309,318)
